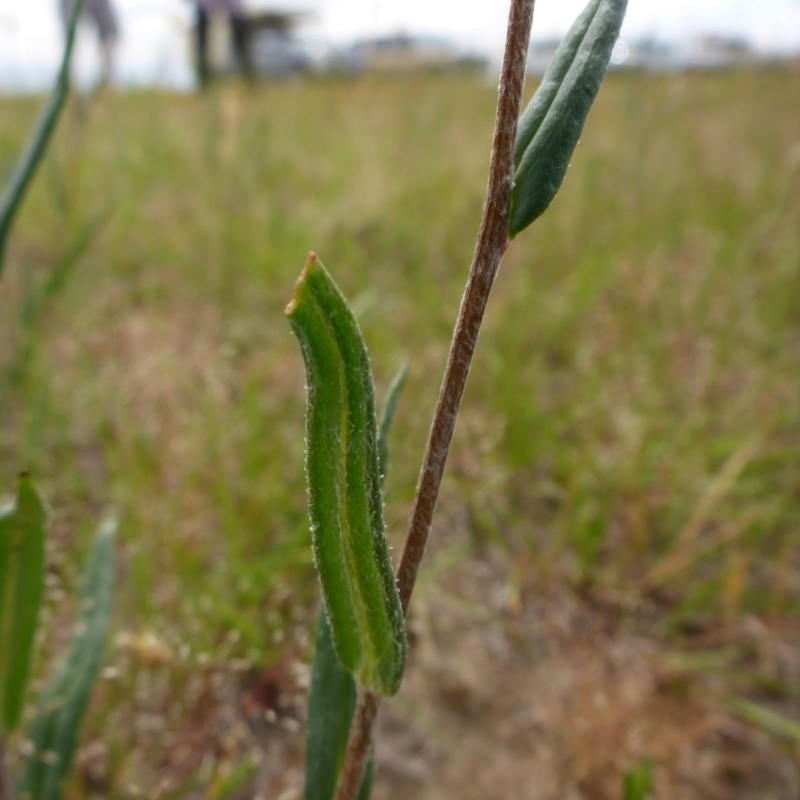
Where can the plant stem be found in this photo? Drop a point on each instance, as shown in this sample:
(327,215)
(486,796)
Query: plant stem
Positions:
(489,249)
(5,784)
(491,245)
(359,745)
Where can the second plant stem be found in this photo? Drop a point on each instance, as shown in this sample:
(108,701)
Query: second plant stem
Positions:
(491,245)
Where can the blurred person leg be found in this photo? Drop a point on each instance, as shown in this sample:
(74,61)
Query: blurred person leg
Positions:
(102,15)
(201,44)
(240,33)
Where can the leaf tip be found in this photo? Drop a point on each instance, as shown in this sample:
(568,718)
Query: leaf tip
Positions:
(311,261)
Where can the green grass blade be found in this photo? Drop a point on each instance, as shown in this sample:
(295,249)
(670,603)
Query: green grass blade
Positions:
(344,485)
(22,535)
(551,125)
(387,417)
(18,182)
(37,300)
(778,725)
(62,271)
(54,731)
(638,782)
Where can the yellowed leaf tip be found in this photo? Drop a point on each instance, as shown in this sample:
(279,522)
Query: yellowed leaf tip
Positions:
(310,261)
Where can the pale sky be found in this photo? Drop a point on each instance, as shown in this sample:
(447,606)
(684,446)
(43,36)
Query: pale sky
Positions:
(154,44)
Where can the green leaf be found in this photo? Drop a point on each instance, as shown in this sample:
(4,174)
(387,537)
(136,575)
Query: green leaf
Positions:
(22,546)
(54,731)
(552,123)
(638,782)
(332,695)
(17,184)
(344,485)
(331,702)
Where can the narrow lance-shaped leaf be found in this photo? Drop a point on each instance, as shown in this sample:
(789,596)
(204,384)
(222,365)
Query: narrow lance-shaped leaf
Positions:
(53,733)
(22,555)
(332,695)
(15,187)
(387,417)
(344,485)
(551,125)
(331,702)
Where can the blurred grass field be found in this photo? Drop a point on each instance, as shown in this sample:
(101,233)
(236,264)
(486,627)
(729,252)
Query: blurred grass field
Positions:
(631,429)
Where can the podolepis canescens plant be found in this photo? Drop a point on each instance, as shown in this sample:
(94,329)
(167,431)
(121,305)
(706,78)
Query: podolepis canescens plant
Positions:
(361,643)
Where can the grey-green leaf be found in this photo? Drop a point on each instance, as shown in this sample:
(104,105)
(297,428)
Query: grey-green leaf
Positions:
(331,702)
(54,730)
(14,190)
(344,485)
(22,555)
(551,125)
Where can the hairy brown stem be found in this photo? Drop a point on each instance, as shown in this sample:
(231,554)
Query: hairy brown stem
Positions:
(489,249)
(5,783)
(359,745)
